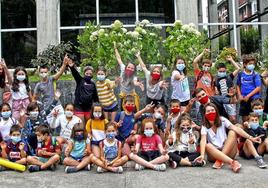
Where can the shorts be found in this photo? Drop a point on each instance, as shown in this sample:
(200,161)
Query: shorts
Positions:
(43,159)
(243,154)
(155,101)
(79,159)
(95,143)
(177,156)
(230,109)
(81,113)
(184,103)
(245,108)
(149,155)
(111,108)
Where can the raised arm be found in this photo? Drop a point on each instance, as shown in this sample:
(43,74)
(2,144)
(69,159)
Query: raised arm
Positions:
(62,69)
(264,76)
(237,67)
(75,73)
(198,59)
(117,55)
(9,77)
(143,66)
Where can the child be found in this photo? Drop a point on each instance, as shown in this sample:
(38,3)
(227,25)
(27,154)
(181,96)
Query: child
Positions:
(78,153)
(248,86)
(105,89)
(174,114)
(128,81)
(95,127)
(21,92)
(247,148)
(155,85)
(264,76)
(180,84)
(48,151)
(4,73)
(220,146)
(182,144)
(149,151)
(15,148)
(6,121)
(111,152)
(257,107)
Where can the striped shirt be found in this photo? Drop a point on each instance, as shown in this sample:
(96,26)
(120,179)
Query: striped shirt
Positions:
(106,92)
(97,128)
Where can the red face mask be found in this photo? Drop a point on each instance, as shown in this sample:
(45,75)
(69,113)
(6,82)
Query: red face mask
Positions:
(130,108)
(175,110)
(204,100)
(156,76)
(129,73)
(211,116)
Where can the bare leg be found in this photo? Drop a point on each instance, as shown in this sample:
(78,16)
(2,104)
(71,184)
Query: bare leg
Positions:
(34,161)
(185,162)
(263,147)
(214,153)
(85,161)
(141,161)
(53,160)
(161,159)
(100,163)
(230,145)
(106,115)
(120,162)
(249,149)
(22,161)
(96,151)
(69,161)
(113,114)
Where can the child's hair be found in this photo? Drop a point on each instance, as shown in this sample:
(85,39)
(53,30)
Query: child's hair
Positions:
(160,69)
(198,90)
(148,120)
(86,68)
(43,129)
(257,102)
(14,128)
(44,66)
(221,65)
(92,110)
(32,106)
(15,84)
(253,114)
(247,58)
(129,98)
(161,106)
(174,101)
(71,104)
(207,61)
(183,117)
(111,124)
(101,68)
(79,127)
(5,104)
(217,120)
(175,64)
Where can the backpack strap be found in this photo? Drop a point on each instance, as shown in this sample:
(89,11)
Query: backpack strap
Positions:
(199,76)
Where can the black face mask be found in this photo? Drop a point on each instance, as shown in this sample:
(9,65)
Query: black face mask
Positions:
(185,130)
(87,79)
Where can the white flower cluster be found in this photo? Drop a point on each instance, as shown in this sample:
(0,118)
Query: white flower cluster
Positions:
(133,34)
(191,29)
(93,36)
(117,24)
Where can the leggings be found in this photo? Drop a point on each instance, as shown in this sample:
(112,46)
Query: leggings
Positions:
(177,156)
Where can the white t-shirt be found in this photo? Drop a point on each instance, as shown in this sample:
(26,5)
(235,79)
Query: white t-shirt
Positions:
(21,94)
(219,138)
(181,90)
(5,126)
(66,127)
(153,91)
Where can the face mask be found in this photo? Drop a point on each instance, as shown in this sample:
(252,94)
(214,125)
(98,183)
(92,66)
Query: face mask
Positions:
(68,113)
(221,74)
(79,137)
(111,135)
(149,132)
(259,112)
(211,116)
(87,79)
(15,139)
(43,75)
(253,125)
(175,110)
(130,108)
(6,115)
(129,73)
(34,115)
(180,66)
(97,114)
(100,77)
(251,67)
(157,115)
(21,77)
(205,68)
(40,139)
(155,76)
(204,100)
(185,130)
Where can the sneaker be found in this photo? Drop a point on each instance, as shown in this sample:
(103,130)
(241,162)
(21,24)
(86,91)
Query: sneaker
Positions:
(236,166)
(70,169)
(52,167)
(199,164)
(34,168)
(120,169)
(99,169)
(218,164)
(173,164)
(160,167)
(88,167)
(138,167)
(260,162)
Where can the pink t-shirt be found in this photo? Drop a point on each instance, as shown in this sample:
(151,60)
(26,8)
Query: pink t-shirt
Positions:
(149,143)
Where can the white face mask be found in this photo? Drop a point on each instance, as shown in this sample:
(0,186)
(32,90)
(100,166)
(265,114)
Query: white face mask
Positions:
(68,113)
(21,77)
(43,75)
(205,68)
(157,115)
(97,114)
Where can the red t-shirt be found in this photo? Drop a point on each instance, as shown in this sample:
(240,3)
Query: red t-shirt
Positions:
(149,143)
(205,82)
(49,147)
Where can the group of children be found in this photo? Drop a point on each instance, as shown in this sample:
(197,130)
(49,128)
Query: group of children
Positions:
(105,130)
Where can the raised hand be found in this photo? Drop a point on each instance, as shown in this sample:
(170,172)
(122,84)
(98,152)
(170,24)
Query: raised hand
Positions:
(229,58)
(21,146)
(57,94)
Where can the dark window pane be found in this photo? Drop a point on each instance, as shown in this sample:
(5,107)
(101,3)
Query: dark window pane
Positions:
(75,13)
(19,48)
(18,14)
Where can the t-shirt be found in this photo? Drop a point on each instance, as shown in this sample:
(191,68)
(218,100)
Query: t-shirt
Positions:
(249,82)
(106,92)
(205,82)
(65,125)
(153,91)
(51,146)
(13,150)
(5,126)
(21,94)
(127,124)
(127,85)
(97,128)
(149,143)
(45,91)
(181,90)
(79,148)
(217,139)
(223,84)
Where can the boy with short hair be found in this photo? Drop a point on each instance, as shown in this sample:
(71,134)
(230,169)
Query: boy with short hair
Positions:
(257,107)
(48,151)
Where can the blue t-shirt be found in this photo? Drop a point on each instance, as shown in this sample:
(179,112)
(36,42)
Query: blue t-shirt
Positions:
(127,125)
(78,148)
(249,82)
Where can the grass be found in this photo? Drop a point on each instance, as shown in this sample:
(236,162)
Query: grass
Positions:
(36,78)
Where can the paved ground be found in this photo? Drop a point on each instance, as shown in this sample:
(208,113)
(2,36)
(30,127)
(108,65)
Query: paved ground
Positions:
(249,176)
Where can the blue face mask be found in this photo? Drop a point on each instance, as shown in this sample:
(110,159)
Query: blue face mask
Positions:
(100,77)
(6,115)
(259,112)
(79,137)
(221,74)
(253,125)
(180,66)
(251,67)
(149,132)
(15,139)
(111,135)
